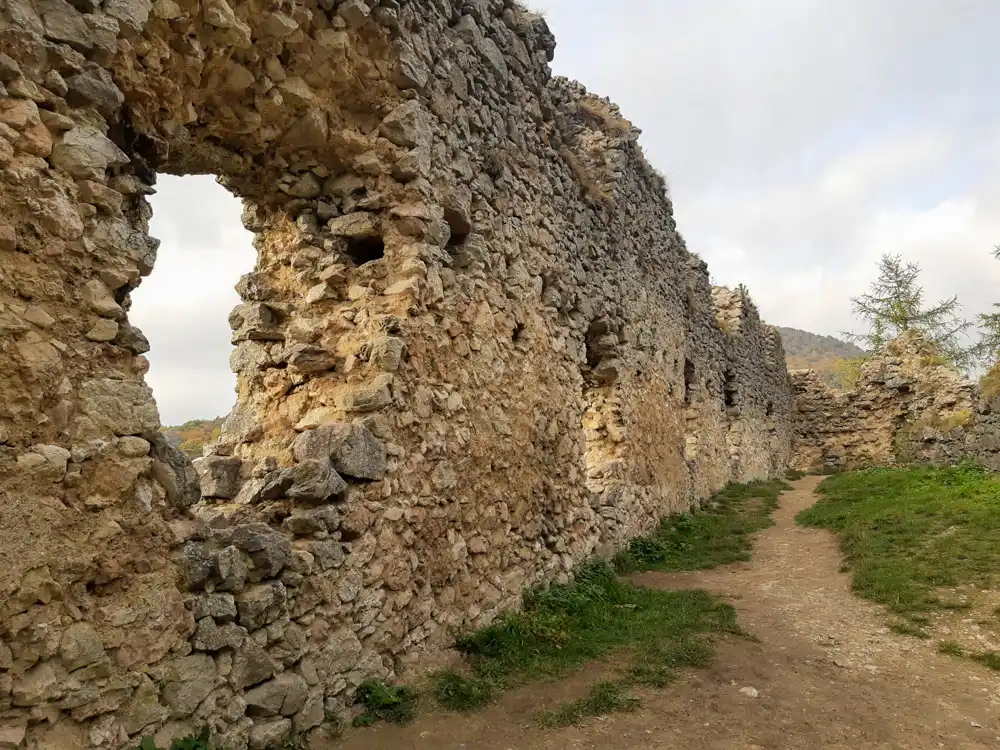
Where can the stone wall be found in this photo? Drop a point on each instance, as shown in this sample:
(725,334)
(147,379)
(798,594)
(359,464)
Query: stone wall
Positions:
(907,406)
(473,352)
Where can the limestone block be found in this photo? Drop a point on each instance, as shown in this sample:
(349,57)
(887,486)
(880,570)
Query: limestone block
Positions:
(270,733)
(121,407)
(86,153)
(352,448)
(262,604)
(218,476)
(314,481)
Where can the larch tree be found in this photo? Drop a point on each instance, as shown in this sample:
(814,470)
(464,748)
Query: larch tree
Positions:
(895,304)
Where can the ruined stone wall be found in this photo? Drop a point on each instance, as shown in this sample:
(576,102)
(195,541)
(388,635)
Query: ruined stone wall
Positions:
(905,407)
(473,352)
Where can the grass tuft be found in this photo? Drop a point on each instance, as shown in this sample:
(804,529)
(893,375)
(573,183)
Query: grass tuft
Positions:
(990,659)
(792,474)
(604,698)
(383,702)
(721,533)
(951,648)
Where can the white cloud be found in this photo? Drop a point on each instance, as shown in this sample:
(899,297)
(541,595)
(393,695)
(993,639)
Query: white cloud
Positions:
(183,306)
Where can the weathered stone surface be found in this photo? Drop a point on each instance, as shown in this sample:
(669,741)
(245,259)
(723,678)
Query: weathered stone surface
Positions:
(218,476)
(210,636)
(314,481)
(86,153)
(120,407)
(251,666)
(187,682)
(222,607)
(269,734)
(260,605)
(80,646)
(269,550)
(352,448)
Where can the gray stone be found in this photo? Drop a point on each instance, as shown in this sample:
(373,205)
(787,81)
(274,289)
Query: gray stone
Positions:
(358,224)
(80,646)
(262,604)
(352,448)
(9,69)
(407,125)
(232,569)
(210,636)
(196,564)
(189,680)
(308,359)
(339,655)
(254,321)
(64,23)
(369,397)
(285,695)
(410,72)
(131,338)
(103,330)
(173,470)
(99,299)
(315,481)
(12,734)
(144,708)
(131,14)
(251,666)
(354,12)
(325,518)
(311,130)
(267,735)
(121,407)
(269,550)
(95,88)
(328,555)
(221,607)
(311,714)
(218,476)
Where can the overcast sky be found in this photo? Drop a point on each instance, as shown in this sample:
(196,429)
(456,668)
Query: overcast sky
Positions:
(801,139)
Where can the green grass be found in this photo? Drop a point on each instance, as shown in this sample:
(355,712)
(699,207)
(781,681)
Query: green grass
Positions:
(721,533)
(383,702)
(989,659)
(951,648)
(792,474)
(604,698)
(908,533)
(564,627)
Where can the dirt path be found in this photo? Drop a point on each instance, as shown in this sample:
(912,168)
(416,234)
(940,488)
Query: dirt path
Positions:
(826,671)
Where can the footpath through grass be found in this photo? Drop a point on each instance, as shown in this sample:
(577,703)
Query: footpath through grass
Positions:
(909,535)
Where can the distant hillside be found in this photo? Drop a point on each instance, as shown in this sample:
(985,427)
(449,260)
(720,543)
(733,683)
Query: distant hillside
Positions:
(804,350)
(192,436)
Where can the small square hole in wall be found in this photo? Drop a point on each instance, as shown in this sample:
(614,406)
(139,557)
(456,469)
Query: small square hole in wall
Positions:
(363,250)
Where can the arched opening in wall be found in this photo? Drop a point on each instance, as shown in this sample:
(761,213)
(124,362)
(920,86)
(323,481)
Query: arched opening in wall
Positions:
(183,306)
